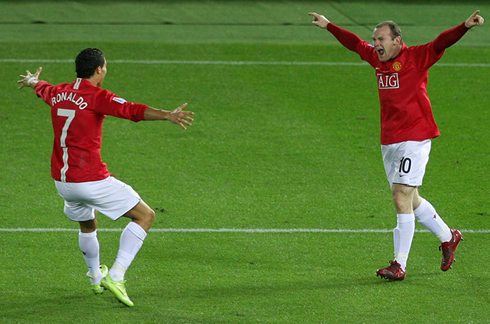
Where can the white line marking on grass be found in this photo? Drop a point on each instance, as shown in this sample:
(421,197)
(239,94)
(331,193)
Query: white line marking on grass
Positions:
(234,230)
(156,62)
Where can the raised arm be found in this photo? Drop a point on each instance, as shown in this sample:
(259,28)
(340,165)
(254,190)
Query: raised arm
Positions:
(345,37)
(451,36)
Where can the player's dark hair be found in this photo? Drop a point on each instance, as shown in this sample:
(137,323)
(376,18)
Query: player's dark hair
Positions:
(395,29)
(88,61)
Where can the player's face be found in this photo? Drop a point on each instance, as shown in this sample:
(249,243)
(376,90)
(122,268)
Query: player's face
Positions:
(101,74)
(386,47)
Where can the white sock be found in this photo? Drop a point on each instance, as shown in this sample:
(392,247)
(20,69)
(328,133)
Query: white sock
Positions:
(402,237)
(130,243)
(89,245)
(426,215)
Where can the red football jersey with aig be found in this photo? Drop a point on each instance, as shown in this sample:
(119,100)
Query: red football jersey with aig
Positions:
(406,113)
(77,112)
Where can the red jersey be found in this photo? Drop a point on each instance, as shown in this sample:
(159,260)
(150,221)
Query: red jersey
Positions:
(406,113)
(77,112)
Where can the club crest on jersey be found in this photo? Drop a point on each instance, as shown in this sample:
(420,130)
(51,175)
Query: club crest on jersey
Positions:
(397,66)
(388,81)
(120,100)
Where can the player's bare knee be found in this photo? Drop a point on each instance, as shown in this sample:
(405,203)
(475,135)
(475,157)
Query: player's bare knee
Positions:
(147,217)
(150,217)
(143,218)
(88,226)
(403,200)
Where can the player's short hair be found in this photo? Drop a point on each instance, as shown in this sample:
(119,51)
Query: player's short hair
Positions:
(88,61)
(395,29)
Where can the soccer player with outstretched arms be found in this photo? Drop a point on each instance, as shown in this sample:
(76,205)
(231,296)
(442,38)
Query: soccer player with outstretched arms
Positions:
(407,127)
(78,110)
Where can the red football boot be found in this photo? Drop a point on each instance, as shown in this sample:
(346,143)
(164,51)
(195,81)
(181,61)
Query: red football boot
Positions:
(394,272)
(448,250)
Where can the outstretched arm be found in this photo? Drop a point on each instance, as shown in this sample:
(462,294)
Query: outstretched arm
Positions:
(30,80)
(177,116)
(345,37)
(451,36)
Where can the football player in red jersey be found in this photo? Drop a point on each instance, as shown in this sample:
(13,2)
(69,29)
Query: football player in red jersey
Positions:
(78,110)
(407,126)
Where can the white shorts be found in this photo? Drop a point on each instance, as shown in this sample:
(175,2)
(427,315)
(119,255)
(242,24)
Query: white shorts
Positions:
(110,196)
(405,162)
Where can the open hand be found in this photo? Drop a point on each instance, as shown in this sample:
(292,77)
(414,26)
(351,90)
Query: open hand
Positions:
(30,80)
(181,117)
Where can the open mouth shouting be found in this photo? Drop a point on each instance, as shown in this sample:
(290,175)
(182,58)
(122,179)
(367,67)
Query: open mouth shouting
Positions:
(381,53)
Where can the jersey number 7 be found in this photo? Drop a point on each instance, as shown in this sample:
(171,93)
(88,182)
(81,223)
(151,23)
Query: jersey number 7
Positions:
(70,114)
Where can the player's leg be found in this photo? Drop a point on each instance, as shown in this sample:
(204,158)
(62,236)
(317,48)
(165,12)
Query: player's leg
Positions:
(397,164)
(87,236)
(405,229)
(116,199)
(89,246)
(132,238)
(142,215)
(76,210)
(402,234)
(427,215)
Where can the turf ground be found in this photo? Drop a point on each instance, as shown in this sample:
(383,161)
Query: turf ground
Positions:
(273,207)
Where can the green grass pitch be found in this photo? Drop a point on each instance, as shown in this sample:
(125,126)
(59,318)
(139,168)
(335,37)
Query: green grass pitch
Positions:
(285,138)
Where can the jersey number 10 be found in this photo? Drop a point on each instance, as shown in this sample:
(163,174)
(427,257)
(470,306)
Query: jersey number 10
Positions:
(405,165)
